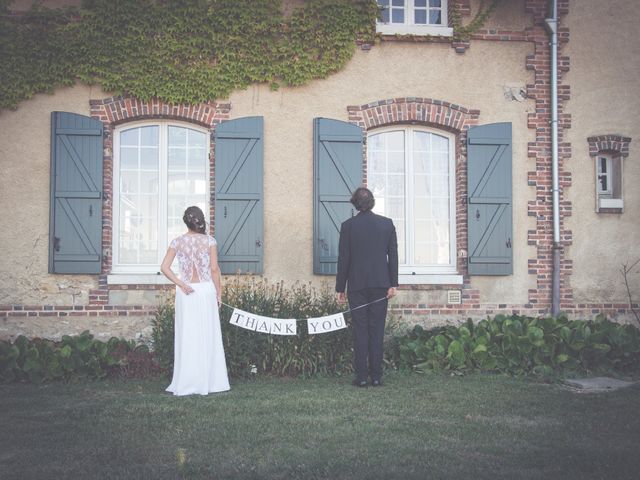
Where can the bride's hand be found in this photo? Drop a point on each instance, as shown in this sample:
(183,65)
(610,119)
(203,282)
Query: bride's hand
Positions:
(186,289)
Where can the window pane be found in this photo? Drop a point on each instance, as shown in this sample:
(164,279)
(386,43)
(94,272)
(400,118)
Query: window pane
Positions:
(197,159)
(420,3)
(196,139)
(149,136)
(128,158)
(149,182)
(435,3)
(129,137)
(397,15)
(395,141)
(384,15)
(395,162)
(177,161)
(149,158)
(397,3)
(439,144)
(435,17)
(177,136)
(420,17)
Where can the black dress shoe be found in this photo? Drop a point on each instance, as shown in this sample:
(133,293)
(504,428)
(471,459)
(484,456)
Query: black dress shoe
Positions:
(376,383)
(358,383)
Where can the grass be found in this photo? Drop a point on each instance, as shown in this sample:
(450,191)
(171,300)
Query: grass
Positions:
(435,427)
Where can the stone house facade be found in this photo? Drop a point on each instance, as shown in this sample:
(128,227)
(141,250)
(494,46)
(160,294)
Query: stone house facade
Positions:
(408,116)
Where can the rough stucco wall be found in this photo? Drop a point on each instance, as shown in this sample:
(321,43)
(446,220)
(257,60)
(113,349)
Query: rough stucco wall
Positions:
(24,202)
(389,70)
(508,15)
(605,65)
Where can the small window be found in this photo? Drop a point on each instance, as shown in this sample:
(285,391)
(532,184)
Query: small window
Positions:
(413,17)
(608,181)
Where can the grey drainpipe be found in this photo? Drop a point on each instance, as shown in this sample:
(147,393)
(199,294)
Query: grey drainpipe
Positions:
(552,26)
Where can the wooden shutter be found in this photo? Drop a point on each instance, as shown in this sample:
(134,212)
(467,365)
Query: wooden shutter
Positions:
(75,224)
(489,200)
(238,201)
(337,167)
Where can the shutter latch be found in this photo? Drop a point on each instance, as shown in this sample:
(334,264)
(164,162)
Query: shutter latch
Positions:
(509,242)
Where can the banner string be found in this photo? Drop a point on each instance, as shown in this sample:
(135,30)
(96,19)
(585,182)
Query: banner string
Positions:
(343,312)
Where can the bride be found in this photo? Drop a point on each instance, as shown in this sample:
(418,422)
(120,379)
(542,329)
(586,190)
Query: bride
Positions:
(199,364)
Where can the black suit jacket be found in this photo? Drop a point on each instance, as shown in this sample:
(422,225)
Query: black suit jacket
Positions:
(368,253)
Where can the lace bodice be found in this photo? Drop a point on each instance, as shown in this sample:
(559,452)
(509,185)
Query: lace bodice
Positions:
(192,251)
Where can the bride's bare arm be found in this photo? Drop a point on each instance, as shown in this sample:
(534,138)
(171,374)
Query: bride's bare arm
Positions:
(165,268)
(215,272)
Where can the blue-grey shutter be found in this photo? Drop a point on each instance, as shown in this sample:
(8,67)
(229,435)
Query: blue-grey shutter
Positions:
(75,223)
(489,199)
(238,201)
(337,168)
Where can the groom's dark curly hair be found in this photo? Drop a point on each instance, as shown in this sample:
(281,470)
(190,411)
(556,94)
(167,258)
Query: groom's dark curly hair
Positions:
(363,199)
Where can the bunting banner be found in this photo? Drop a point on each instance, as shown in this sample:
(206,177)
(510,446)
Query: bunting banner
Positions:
(288,326)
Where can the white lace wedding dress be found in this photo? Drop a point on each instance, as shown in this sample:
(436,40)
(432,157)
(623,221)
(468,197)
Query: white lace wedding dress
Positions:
(199,363)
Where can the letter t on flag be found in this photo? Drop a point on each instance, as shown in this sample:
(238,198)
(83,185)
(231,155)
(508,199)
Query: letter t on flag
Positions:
(326,324)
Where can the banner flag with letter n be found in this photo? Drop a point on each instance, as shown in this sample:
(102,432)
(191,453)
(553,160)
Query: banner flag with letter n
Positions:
(258,323)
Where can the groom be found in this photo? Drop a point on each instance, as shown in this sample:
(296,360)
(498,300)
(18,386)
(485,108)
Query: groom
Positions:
(368,265)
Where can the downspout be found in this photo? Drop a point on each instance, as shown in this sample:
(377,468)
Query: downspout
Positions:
(552,26)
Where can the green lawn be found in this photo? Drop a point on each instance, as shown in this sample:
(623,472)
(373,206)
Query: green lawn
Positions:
(423,427)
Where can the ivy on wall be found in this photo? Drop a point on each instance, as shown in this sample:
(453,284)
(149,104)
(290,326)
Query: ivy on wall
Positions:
(463,32)
(181,51)
(185,51)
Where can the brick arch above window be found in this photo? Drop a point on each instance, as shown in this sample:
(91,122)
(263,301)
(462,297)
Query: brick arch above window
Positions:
(436,113)
(611,143)
(115,110)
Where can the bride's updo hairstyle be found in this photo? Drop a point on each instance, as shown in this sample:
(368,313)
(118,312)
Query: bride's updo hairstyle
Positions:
(194,220)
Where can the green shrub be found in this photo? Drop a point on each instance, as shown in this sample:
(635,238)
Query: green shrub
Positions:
(250,352)
(74,357)
(521,346)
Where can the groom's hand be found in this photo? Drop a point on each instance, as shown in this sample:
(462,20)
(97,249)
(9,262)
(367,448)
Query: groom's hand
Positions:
(391,292)
(341,297)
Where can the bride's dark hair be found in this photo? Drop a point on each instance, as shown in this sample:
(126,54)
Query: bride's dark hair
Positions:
(194,220)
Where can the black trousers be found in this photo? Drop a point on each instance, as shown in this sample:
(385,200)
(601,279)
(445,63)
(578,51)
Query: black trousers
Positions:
(368,326)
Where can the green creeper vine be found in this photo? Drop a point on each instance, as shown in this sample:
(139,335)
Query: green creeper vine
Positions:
(184,51)
(181,51)
(464,32)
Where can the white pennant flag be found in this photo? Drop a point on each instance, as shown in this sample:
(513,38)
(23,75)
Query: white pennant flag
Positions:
(258,323)
(281,326)
(326,324)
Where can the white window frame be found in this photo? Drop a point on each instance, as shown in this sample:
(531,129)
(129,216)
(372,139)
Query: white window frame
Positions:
(420,274)
(125,273)
(409,27)
(606,198)
(608,175)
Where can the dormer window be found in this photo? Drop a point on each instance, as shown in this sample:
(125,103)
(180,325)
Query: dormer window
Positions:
(413,17)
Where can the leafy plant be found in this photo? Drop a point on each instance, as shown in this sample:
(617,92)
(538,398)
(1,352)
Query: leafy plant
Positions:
(74,357)
(521,346)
